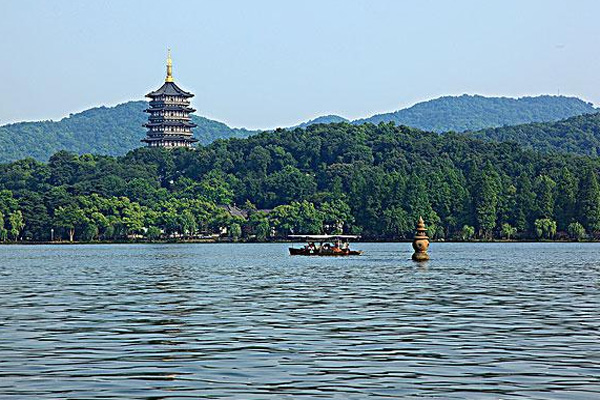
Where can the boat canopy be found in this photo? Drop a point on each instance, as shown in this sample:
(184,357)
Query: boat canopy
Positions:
(318,238)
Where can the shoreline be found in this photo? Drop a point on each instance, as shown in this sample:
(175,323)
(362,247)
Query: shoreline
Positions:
(201,241)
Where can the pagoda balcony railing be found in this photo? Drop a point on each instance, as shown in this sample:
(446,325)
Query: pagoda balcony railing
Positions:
(168,118)
(163,131)
(159,103)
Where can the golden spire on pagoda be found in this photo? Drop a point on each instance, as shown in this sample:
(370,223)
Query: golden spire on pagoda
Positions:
(169,77)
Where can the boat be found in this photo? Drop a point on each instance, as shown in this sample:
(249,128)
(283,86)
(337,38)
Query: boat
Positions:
(324,245)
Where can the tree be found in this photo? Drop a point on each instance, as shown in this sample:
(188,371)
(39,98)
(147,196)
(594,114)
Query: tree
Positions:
(235,231)
(259,160)
(259,225)
(467,232)
(508,231)
(395,222)
(576,231)
(566,197)
(525,204)
(297,218)
(544,188)
(188,223)
(153,233)
(89,231)
(545,228)
(69,218)
(336,214)
(486,191)
(589,202)
(289,184)
(132,216)
(417,205)
(263,229)
(3,230)
(15,224)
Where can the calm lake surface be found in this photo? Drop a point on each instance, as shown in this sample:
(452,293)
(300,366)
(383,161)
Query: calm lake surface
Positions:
(247,321)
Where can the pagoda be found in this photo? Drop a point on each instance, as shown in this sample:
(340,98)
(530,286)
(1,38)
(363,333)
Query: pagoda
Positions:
(169,123)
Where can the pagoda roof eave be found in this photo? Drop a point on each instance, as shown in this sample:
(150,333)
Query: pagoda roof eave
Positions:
(169,89)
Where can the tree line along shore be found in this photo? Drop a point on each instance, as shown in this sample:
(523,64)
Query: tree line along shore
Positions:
(371,180)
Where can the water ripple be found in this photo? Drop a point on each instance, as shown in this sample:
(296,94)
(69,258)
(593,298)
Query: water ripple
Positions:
(479,321)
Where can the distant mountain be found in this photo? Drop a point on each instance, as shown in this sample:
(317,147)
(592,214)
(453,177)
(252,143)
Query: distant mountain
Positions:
(116,130)
(326,119)
(102,130)
(470,113)
(580,135)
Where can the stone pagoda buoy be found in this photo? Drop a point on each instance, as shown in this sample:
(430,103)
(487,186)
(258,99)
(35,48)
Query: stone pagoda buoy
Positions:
(420,242)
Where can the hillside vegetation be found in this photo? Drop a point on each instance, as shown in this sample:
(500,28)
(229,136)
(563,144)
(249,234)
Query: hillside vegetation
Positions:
(116,130)
(468,113)
(375,180)
(102,130)
(580,135)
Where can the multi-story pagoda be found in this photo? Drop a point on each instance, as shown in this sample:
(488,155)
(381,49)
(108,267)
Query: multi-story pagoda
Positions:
(169,123)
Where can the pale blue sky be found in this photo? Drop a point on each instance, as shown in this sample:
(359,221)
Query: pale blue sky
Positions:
(261,64)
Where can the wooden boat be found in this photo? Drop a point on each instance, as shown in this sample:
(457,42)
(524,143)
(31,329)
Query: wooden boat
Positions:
(324,245)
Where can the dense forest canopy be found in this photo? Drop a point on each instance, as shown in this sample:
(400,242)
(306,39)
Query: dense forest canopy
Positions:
(117,130)
(102,130)
(468,113)
(579,135)
(374,180)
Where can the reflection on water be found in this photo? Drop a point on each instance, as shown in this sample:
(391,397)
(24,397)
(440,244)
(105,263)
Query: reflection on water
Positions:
(249,322)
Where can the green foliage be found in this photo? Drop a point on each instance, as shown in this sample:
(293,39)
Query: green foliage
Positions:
(508,231)
(467,232)
(468,113)
(545,228)
(486,193)
(3,230)
(69,218)
(298,218)
(116,130)
(153,233)
(576,231)
(579,134)
(15,224)
(101,130)
(589,201)
(235,231)
(89,232)
(367,179)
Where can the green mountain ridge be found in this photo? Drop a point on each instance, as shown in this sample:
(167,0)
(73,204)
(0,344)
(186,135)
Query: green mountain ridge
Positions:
(116,130)
(325,119)
(474,112)
(100,130)
(578,135)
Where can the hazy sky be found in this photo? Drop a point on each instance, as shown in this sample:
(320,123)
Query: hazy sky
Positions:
(261,64)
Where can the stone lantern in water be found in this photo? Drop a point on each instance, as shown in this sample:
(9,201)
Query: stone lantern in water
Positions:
(420,242)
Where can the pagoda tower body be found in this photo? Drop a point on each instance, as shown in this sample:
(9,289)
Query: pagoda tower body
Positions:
(169,123)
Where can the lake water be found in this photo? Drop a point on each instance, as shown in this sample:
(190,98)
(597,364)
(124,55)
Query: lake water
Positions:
(247,321)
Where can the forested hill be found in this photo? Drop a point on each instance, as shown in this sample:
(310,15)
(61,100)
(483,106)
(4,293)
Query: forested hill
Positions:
(102,130)
(580,135)
(469,113)
(116,130)
(375,180)
(325,119)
